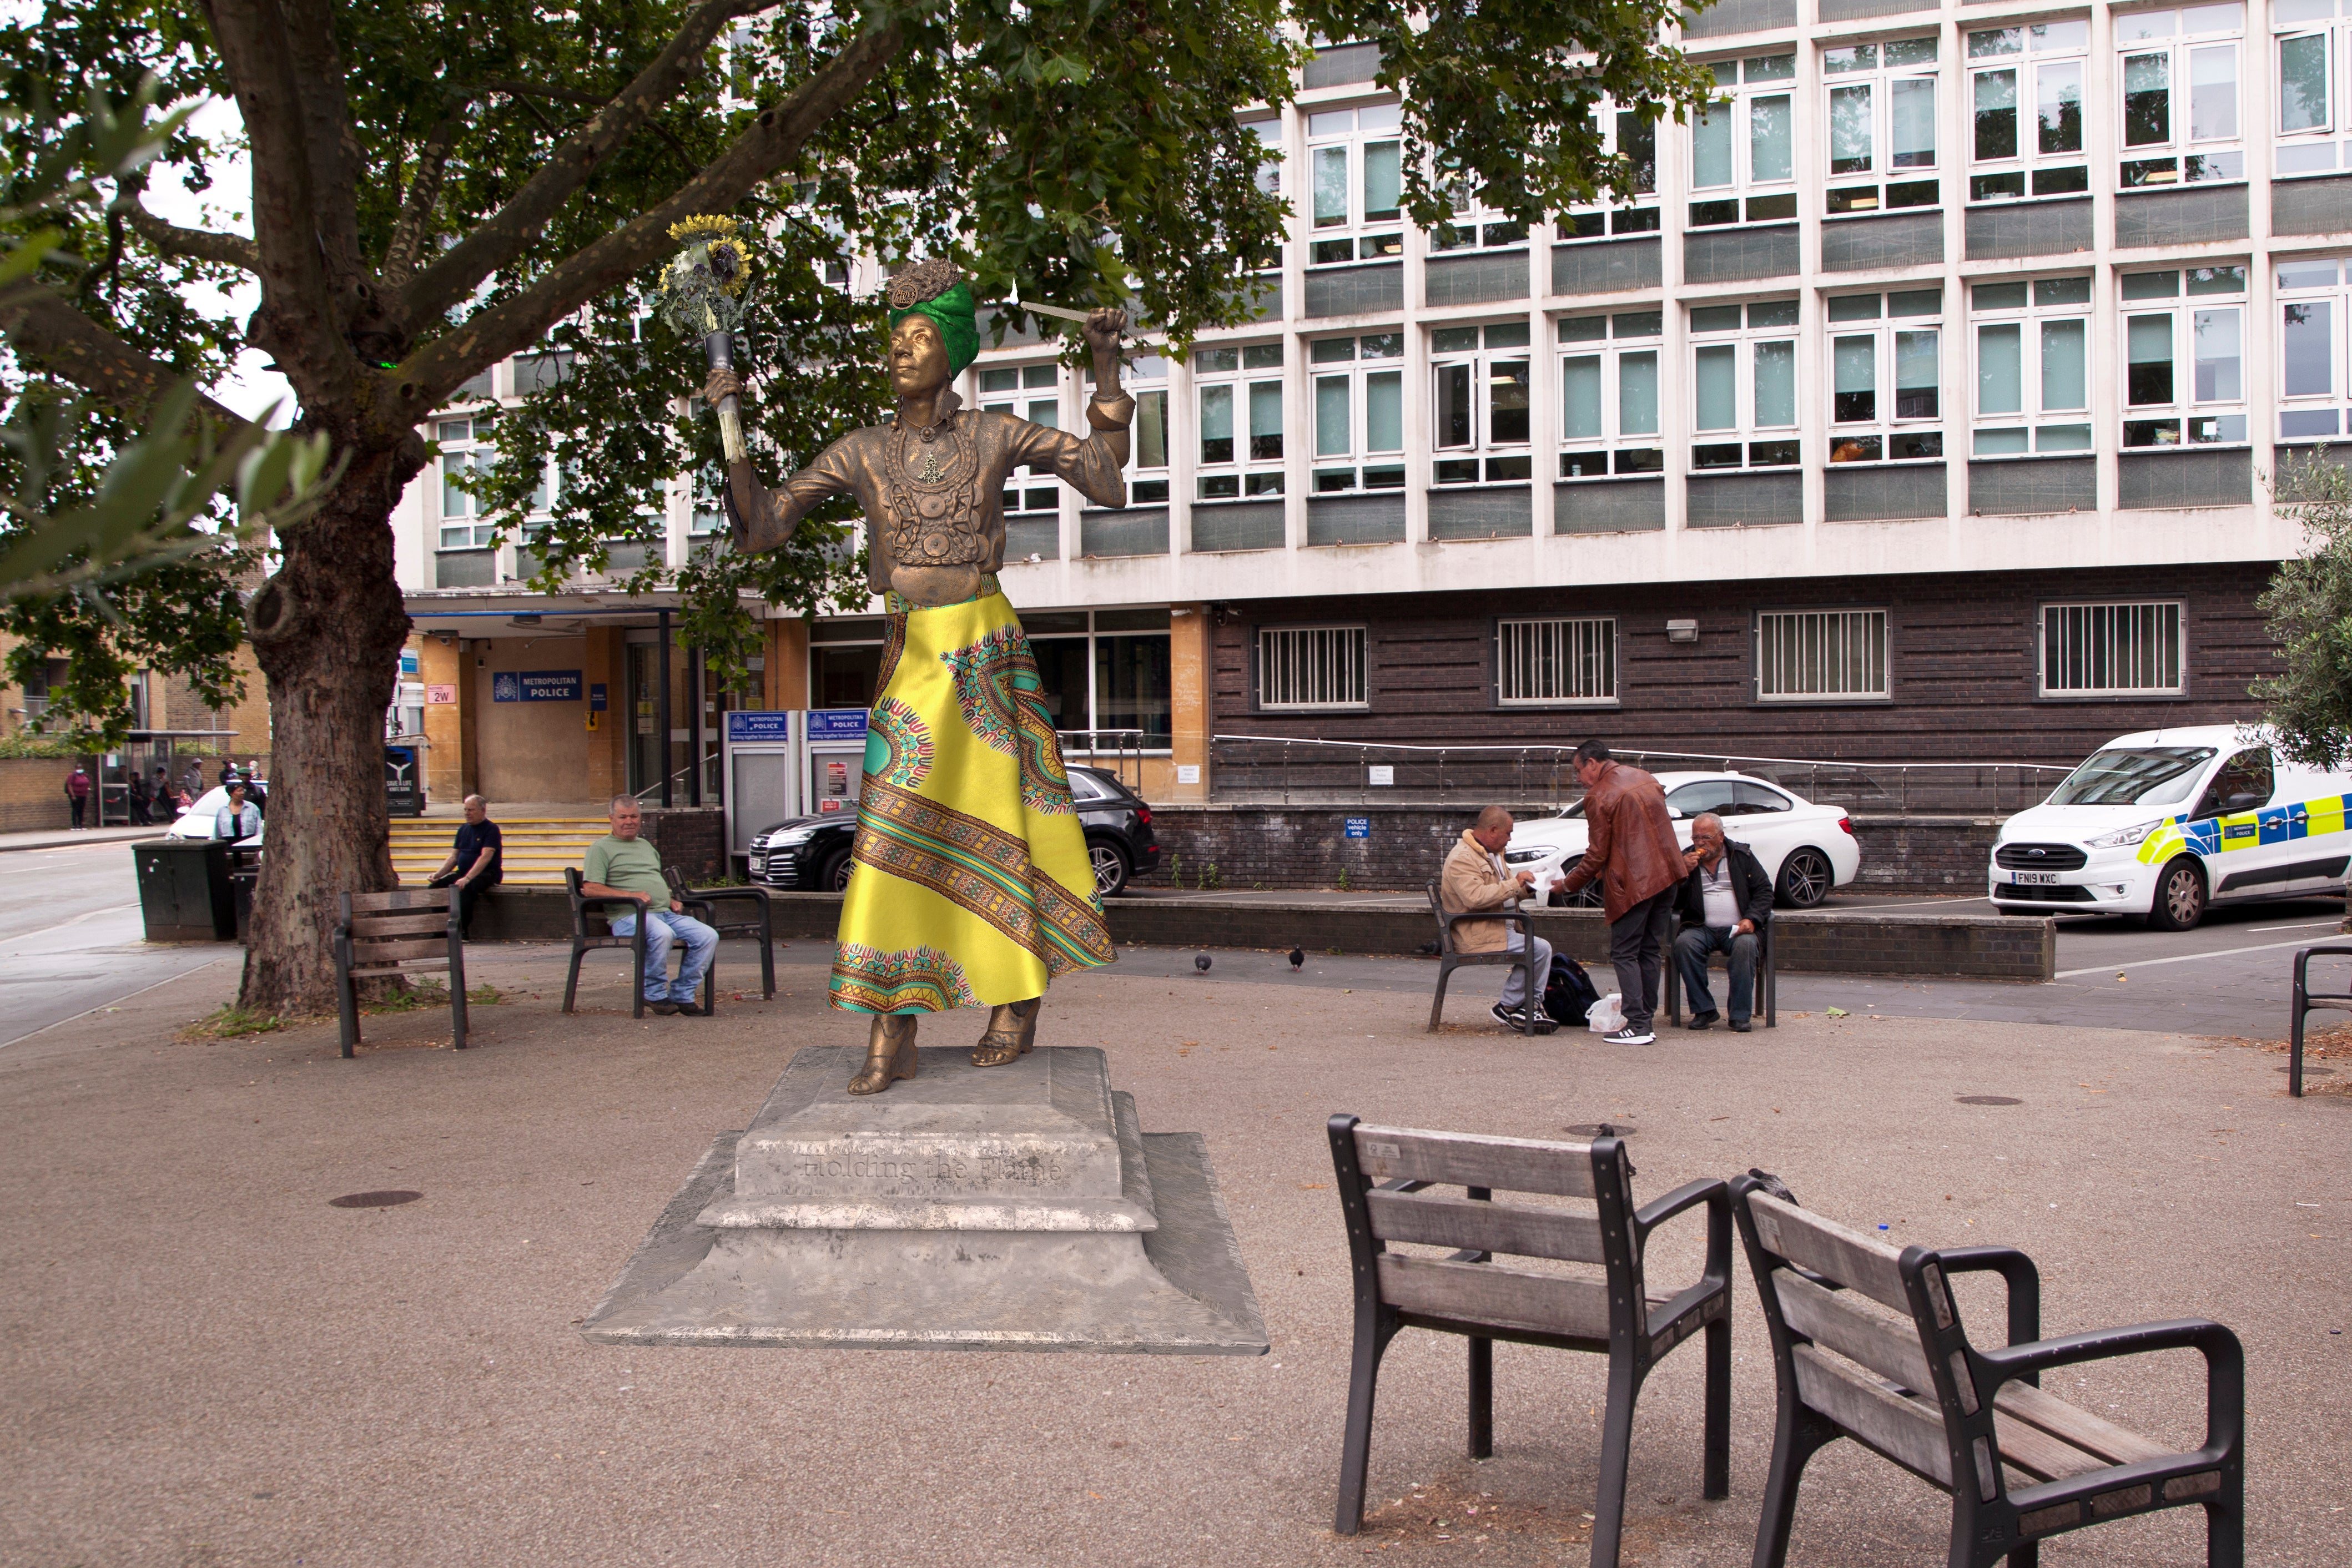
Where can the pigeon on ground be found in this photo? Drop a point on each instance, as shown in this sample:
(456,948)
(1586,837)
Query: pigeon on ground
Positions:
(1202,963)
(1298,959)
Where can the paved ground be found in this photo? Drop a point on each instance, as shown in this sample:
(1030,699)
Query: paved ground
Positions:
(207,1365)
(61,838)
(71,938)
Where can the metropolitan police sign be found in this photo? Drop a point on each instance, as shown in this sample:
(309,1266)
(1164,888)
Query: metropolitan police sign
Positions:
(535,686)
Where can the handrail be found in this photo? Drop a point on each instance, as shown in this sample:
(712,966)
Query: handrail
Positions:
(1630,751)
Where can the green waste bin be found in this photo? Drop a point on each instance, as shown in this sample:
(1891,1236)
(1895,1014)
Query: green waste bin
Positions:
(183,891)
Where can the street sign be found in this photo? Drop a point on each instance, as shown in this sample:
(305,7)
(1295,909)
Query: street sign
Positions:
(440,696)
(1359,827)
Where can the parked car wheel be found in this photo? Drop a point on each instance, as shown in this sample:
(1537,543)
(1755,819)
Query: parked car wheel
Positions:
(2180,901)
(1806,878)
(1110,867)
(836,871)
(1589,896)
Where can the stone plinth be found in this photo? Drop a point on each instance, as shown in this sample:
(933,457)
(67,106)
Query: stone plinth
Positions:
(1013,1207)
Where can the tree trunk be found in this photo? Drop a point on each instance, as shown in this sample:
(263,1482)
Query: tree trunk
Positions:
(327,631)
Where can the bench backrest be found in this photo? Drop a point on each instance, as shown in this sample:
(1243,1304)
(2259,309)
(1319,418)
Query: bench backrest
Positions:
(1437,911)
(1384,1172)
(1868,1307)
(397,929)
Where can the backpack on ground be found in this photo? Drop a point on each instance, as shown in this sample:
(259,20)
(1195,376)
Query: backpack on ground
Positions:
(1568,993)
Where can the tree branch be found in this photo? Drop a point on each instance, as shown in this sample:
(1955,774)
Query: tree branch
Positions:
(507,233)
(330,137)
(197,244)
(771,141)
(414,227)
(53,335)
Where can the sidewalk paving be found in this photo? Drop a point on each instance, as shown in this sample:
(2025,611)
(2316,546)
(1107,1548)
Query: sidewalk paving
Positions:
(59,837)
(208,1364)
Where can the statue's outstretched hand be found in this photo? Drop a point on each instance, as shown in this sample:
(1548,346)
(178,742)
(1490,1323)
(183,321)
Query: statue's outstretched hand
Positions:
(722,384)
(1103,329)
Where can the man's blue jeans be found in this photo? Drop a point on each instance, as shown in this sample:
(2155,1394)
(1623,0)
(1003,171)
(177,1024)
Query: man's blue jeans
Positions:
(665,928)
(1691,949)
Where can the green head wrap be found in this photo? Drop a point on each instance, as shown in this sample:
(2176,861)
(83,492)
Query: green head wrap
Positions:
(958,319)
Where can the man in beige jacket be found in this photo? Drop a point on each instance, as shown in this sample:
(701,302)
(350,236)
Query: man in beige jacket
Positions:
(1474,878)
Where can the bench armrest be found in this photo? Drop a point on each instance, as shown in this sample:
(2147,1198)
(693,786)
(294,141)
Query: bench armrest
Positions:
(1659,1210)
(2017,1271)
(2225,1365)
(1511,914)
(721,894)
(2305,956)
(1711,1192)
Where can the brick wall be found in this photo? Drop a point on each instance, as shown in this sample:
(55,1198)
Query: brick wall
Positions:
(691,837)
(33,794)
(1307,847)
(1962,667)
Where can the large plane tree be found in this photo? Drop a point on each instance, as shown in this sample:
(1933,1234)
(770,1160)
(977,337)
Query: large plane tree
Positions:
(435,187)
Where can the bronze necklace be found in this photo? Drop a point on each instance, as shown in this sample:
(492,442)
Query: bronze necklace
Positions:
(933,503)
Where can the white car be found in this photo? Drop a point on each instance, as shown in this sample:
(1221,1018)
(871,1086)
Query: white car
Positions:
(2166,823)
(1805,849)
(202,820)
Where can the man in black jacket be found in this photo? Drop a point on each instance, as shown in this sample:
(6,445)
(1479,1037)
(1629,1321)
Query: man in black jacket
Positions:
(1724,901)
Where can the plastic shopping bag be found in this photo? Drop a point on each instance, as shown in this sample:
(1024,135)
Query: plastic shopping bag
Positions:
(1606,1016)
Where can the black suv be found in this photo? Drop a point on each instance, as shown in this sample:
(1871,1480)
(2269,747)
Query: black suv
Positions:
(811,853)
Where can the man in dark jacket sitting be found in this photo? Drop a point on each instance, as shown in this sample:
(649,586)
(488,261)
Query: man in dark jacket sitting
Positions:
(1725,901)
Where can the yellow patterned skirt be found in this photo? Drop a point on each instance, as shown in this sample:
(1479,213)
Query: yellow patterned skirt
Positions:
(973,885)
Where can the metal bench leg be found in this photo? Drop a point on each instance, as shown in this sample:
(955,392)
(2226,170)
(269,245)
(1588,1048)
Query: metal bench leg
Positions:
(457,990)
(1800,1434)
(767,955)
(2026,1556)
(637,968)
(1772,992)
(1482,1398)
(572,981)
(2225,1524)
(347,1004)
(1437,1006)
(1616,1455)
(1356,1449)
(1718,1456)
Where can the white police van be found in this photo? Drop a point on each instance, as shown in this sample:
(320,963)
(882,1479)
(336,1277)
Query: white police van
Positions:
(2167,822)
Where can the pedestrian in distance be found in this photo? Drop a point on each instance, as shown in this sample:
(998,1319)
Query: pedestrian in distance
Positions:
(238,818)
(77,794)
(623,865)
(1475,878)
(134,796)
(1630,850)
(1724,903)
(476,862)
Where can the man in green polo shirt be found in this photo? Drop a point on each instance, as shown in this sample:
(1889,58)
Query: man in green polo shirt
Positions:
(623,865)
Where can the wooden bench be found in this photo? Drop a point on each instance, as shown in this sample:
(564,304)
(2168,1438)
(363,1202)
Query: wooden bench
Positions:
(1450,958)
(1767,1000)
(2308,1001)
(1867,1344)
(1608,1312)
(758,923)
(379,934)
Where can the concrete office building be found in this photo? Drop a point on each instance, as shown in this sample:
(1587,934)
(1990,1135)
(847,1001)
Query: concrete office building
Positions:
(1931,395)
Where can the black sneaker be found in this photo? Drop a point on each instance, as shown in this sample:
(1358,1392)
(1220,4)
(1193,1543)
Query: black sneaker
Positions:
(689,1010)
(1706,1019)
(1740,1026)
(1504,1016)
(1629,1035)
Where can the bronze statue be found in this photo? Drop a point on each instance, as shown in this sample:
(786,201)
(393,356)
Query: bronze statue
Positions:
(973,885)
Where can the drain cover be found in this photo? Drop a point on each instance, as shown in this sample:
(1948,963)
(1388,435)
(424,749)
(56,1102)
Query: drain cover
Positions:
(1603,1129)
(372,1199)
(1991,1100)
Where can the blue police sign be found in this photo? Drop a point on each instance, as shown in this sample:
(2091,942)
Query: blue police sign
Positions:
(743,726)
(1359,827)
(836,724)
(535,686)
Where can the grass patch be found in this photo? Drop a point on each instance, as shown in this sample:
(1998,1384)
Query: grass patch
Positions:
(233,1022)
(430,994)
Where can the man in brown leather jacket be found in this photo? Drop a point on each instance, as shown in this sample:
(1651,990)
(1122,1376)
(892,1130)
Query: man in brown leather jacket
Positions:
(1632,851)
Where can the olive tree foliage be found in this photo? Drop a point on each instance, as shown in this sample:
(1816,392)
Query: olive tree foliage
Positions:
(2308,607)
(101,526)
(436,187)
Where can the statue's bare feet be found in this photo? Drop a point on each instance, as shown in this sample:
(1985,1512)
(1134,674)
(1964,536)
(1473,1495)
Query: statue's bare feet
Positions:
(889,1053)
(1011,1030)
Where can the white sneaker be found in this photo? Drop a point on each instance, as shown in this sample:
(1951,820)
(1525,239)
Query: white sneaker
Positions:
(1629,1035)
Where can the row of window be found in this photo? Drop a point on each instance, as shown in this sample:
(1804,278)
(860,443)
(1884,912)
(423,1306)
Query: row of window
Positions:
(2087,650)
(1104,674)
(2175,86)
(2021,383)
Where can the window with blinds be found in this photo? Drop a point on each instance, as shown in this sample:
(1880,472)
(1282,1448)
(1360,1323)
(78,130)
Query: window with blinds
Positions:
(1556,661)
(1311,666)
(2111,650)
(1815,653)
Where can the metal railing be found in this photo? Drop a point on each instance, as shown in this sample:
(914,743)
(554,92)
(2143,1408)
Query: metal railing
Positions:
(1296,770)
(651,794)
(1119,752)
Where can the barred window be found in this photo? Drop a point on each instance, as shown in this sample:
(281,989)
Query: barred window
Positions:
(2108,650)
(1555,660)
(1809,653)
(1311,666)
